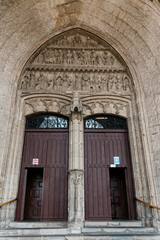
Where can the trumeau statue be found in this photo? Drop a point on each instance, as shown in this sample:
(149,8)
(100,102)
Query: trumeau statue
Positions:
(76,60)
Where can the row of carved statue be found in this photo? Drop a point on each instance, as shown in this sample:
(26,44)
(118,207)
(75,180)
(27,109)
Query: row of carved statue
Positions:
(40,80)
(76,57)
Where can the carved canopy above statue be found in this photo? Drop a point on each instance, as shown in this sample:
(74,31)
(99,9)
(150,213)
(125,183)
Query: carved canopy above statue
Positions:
(76,61)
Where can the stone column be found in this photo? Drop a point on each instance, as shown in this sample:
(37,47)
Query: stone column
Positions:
(76,167)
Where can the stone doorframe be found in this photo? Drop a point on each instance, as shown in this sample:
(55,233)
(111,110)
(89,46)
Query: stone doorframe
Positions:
(77,105)
(77,109)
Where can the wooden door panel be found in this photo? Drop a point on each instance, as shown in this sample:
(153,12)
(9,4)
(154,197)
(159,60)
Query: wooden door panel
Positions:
(96,178)
(100,149)
(55,195)
(35,148)
(116,144)
(51,148)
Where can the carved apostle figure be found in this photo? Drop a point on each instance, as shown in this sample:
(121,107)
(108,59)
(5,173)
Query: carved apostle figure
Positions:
(59,82)
(78,84)
(112,83)
(60,57)
(69,57)
(56,56)
(119,83)
(40,82)
(94,57)
(33,80)
(85,81)
(105,57)
(126,84)
(111,59)
(25,82)
(46,55)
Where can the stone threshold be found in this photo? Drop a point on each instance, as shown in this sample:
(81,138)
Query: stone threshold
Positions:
(39,225)
(91,224)
(114,223)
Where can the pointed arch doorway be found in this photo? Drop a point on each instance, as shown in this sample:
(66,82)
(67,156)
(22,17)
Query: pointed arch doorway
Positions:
(43,187)
(109,191)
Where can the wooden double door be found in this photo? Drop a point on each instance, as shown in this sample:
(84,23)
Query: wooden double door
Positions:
(109,191)
(43,189)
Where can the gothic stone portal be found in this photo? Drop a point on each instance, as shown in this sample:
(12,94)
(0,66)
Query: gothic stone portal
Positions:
(79,65)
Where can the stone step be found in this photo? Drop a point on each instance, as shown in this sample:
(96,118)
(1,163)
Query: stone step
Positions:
(128,223)
(118,231)
(84,232)
(80,237)
(35,225)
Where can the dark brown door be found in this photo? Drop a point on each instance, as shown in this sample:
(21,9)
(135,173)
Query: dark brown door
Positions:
(33,197)
(97,189)
(50,147)
(119,204)
(100,148)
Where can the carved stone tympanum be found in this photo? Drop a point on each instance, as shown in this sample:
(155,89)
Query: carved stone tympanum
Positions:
(76,61)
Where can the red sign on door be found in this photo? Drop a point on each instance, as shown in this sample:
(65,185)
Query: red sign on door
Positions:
(35,161)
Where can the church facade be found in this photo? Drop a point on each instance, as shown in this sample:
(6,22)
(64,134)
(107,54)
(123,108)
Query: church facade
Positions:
(80,119)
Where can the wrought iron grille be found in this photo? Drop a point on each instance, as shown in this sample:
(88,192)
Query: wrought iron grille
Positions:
(105,122)
(46,122)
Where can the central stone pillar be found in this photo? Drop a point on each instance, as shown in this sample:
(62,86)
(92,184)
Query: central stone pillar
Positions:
(76,168)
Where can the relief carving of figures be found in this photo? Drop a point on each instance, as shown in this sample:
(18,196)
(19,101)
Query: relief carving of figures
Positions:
(76,61)
(63,81)
(84,57)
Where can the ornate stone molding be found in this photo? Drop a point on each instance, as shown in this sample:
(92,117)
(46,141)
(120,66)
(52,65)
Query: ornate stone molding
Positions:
(45,104)
(105,107)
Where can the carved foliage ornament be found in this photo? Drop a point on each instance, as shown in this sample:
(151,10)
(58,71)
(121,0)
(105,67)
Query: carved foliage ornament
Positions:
(76,60)
(47,105)
(105,106)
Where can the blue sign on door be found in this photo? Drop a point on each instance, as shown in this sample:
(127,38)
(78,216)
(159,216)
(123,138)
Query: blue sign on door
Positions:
(116,160)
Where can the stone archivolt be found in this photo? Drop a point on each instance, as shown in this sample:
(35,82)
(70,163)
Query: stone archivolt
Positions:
(76,61)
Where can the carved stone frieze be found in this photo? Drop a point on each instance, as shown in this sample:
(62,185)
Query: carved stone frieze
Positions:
(106,107)
(76,61)
(117,83)
(47,105)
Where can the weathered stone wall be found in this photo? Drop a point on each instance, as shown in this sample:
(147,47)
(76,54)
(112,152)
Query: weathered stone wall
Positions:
(131,27)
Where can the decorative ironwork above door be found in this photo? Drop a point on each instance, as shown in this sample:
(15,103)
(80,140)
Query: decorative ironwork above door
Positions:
(105,122)
(46,122)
